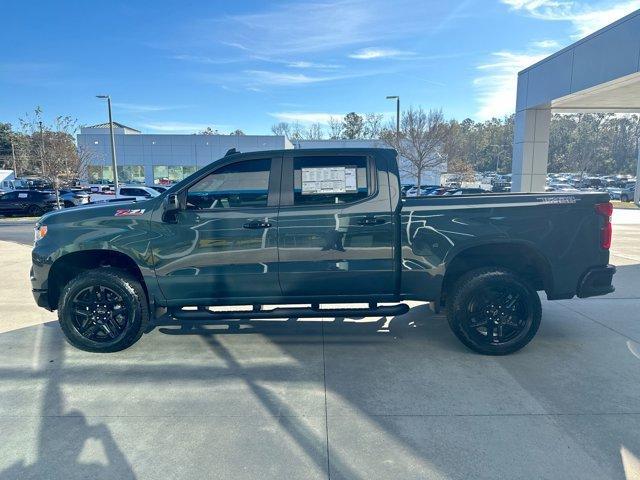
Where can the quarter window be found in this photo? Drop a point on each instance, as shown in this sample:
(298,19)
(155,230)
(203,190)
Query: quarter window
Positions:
(330,180)
(241,184)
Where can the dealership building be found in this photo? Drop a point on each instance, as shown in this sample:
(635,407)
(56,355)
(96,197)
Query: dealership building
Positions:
(162,158)
(599,73)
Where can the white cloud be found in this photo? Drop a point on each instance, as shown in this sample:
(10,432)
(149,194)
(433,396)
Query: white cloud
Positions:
(181,127)
(306,117)
(496,86)
(256,79)
(291,28)
(371,53)
(585,18)
(305,64)
(265,77)
(545,44)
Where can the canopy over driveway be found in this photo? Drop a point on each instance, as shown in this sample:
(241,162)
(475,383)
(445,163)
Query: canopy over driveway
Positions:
(600,73)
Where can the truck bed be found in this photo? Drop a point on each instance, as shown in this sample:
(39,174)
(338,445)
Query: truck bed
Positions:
(552,232)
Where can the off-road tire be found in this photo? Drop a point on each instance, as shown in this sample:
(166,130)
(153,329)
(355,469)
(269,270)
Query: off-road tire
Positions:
(470,287)
(120,282)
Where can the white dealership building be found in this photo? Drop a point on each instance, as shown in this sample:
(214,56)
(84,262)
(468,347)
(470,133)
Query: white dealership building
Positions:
(164,158)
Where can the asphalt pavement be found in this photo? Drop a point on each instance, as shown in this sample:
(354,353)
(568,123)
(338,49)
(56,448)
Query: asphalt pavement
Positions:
(17,231)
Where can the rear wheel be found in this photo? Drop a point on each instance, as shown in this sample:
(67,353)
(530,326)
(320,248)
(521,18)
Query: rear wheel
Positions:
(35,211)
(103,310)
(494,311)
(624,198)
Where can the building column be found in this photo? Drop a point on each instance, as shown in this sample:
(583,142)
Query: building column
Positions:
(530,150)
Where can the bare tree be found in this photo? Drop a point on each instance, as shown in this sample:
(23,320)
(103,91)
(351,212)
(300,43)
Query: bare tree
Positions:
(335,127)
(314,132)
(237,132)
(59,160)
(296,131)
(420,141)
(281,128)
(372,125)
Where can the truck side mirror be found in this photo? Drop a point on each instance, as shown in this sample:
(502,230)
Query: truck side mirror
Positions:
(171,203)
(171,208)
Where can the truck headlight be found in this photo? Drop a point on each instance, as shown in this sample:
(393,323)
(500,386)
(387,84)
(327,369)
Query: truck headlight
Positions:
(40,232)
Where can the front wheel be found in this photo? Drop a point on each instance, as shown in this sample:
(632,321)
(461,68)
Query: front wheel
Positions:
(103,310)
(494,311)
(624,198)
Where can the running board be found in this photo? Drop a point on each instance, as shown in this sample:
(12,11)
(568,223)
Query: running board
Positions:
(203,316)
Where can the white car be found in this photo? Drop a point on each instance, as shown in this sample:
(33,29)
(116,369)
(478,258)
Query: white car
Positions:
(128,192)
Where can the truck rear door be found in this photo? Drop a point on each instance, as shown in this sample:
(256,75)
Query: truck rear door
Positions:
(335,226)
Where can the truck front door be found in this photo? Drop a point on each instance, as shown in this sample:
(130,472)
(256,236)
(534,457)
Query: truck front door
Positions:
(222,244)
(335,227)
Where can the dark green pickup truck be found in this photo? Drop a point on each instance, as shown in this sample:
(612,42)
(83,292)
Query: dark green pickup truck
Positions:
(313,227)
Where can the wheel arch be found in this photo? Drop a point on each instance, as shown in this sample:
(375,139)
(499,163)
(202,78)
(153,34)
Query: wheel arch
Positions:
(517,256)
(68,266)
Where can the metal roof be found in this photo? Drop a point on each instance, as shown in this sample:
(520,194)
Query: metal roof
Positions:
(115,125)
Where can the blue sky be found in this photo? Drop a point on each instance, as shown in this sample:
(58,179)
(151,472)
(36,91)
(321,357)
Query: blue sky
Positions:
(177,67)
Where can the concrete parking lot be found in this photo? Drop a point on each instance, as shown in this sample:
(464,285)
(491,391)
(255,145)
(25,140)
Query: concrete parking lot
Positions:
(383,398)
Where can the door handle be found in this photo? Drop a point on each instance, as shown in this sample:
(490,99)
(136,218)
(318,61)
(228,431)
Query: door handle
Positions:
(371,221)
(256,224)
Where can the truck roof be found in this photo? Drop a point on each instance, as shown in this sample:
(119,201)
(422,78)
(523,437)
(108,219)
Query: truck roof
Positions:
(344,150)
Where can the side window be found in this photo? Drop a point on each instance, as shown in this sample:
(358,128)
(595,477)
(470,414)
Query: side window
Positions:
(241,184)
(9,196)
(330,180)
(127,192)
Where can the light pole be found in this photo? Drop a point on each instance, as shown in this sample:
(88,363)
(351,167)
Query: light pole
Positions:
(41,149)
(397,99)
(114,165)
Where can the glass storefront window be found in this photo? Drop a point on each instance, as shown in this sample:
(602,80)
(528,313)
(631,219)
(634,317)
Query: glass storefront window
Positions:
(165,175)
(131,174)
(99,174)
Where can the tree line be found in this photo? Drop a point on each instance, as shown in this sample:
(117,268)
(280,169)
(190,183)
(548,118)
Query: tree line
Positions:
(595,143)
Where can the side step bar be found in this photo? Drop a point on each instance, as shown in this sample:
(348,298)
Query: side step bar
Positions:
(203,316)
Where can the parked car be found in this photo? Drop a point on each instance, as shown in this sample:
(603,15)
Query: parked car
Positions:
(74,197)
(27,202)
(465,191)
(246,230)
(132,192)
(627,194)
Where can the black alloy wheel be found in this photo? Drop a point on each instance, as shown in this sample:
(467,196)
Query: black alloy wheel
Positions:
(100,314)
(494,311)
(103,310)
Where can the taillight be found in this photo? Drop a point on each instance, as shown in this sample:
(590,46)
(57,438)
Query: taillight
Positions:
(606,210)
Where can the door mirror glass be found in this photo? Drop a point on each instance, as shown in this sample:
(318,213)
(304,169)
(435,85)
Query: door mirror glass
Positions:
(171,203)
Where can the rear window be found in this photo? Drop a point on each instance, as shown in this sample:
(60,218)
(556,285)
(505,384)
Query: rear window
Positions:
(319,180)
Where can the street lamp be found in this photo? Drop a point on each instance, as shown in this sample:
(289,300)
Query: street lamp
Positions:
(113,144)
(397,99)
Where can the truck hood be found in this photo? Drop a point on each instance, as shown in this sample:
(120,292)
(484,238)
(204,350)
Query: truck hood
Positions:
(86,212)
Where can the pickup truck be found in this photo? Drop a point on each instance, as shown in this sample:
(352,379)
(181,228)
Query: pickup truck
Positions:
(307,228)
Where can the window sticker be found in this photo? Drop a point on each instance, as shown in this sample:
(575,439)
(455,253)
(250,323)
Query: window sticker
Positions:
(22,195)
(329,180)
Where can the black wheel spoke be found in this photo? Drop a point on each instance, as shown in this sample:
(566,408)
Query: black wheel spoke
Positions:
(99,314)
(496,316)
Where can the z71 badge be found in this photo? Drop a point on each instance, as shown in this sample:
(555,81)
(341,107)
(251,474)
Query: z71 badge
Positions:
(129,213)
